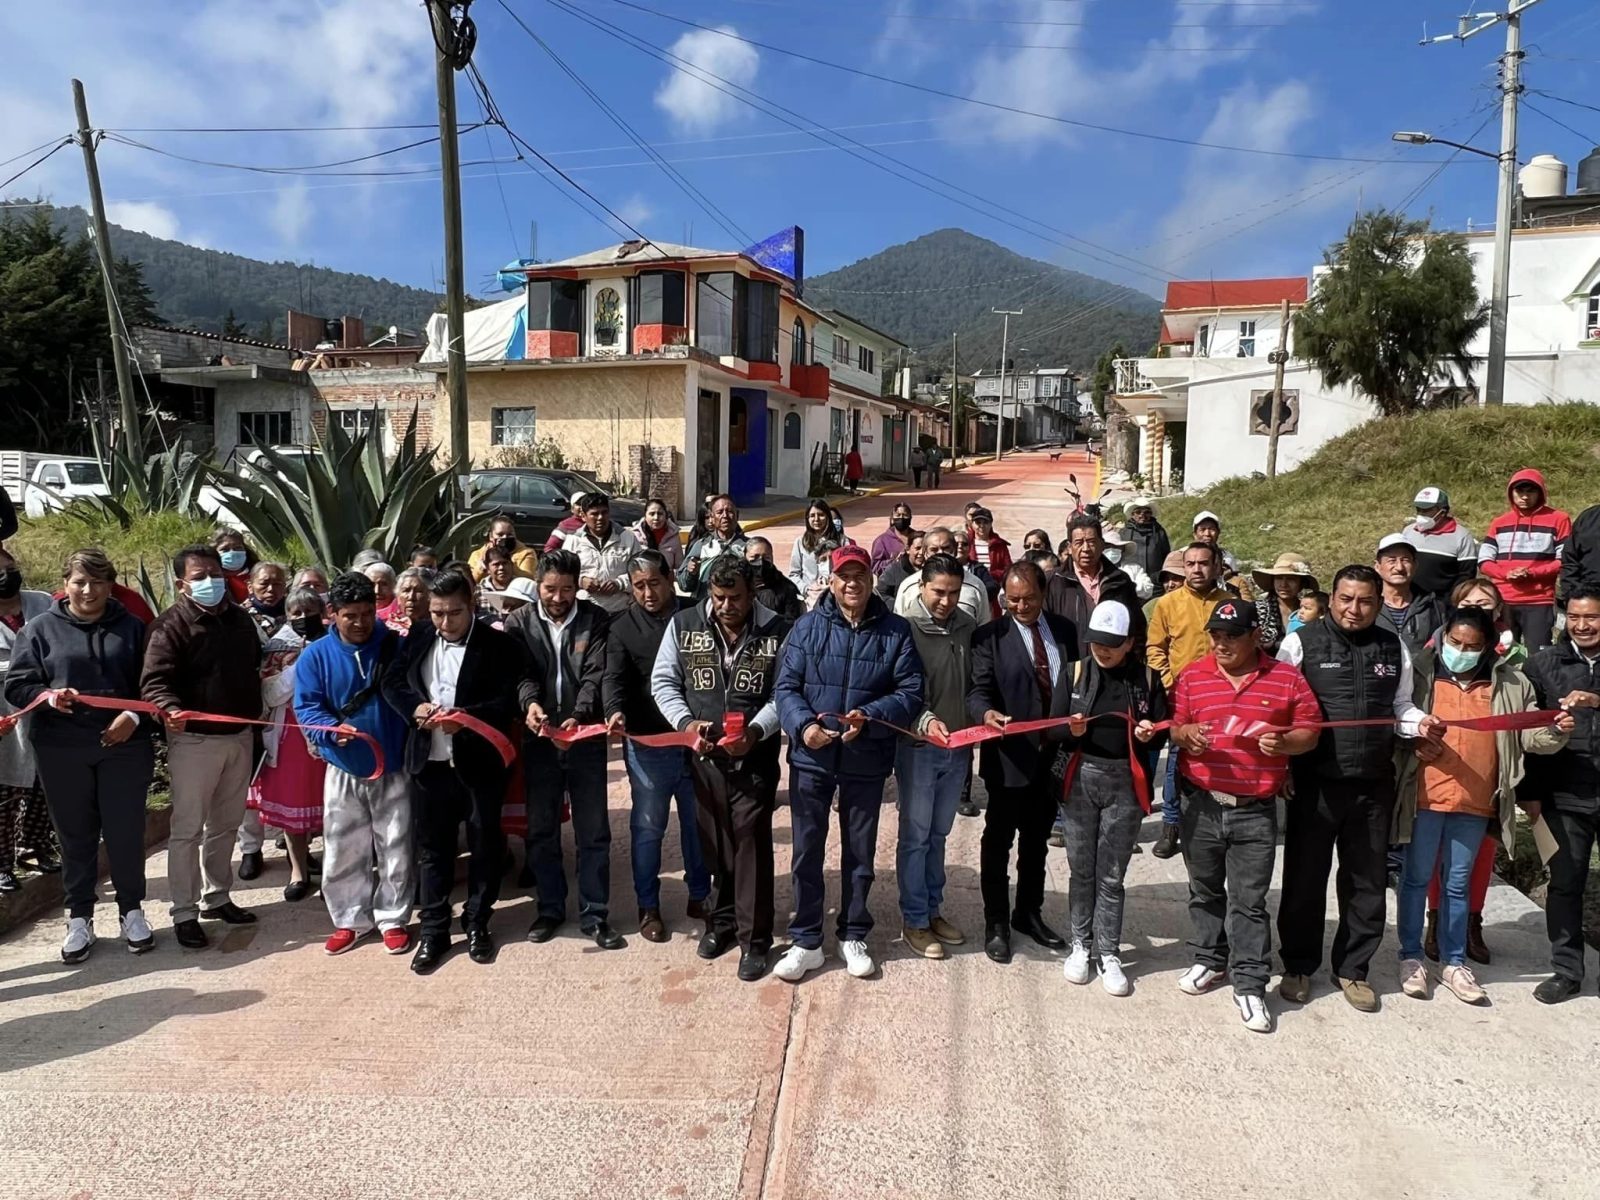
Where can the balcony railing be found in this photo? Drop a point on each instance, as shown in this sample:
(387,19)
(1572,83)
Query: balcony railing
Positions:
(1130,381)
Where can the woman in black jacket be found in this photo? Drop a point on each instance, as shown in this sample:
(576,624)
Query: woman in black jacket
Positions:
(1115,701)
(95,763)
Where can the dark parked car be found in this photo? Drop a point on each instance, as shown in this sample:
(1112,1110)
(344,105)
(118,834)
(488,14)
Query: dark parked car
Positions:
(538,498)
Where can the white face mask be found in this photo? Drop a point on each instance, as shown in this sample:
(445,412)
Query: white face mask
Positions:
(1113,555)
(1424,524)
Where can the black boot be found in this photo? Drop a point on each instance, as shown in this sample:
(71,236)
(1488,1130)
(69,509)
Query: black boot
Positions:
(1167,844)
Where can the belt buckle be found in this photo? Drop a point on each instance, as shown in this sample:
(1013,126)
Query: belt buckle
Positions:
(1224,799)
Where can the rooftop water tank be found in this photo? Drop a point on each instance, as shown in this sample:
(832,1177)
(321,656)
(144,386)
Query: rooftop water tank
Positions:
(1589,173)
(1544,176)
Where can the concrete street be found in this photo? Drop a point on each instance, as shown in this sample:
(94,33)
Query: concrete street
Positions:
(261,1067)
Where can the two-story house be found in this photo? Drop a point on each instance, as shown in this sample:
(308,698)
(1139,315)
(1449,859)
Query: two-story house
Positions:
(677,370)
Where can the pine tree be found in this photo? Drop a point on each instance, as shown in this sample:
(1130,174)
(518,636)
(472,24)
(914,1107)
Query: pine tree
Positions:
(232,328)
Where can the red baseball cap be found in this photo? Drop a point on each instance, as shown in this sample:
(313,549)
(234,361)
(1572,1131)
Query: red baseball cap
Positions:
(850,554)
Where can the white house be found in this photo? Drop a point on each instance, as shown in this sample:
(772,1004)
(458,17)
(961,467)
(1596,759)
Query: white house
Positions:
(1201,409)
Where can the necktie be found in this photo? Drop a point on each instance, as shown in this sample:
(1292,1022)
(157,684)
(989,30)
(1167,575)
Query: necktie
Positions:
(1041,669)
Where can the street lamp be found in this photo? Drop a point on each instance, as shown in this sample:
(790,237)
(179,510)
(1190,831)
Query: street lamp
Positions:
(1500,293)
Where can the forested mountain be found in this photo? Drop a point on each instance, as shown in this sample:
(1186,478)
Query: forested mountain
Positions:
(196,288)
(947,281)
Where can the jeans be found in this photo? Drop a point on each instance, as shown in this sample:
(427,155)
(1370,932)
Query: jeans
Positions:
(657,776)
(930,782)
(94,793)
(811,799)
(1450,840)
(1229,852)
(1101,823)
(1575,835)
(1171,797)
(1354,816)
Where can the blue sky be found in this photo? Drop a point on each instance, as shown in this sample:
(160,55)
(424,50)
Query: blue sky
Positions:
(1326,78)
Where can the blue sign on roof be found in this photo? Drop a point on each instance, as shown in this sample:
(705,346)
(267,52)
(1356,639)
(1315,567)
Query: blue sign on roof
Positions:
(785,253)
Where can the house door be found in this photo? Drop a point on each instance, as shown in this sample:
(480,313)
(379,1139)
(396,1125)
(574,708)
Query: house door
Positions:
(772,449)
(708,427)
(836,429)
(855,429)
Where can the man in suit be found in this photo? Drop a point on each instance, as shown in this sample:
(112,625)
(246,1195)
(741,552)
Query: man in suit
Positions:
(455,662)
(1020,664)
(563,640)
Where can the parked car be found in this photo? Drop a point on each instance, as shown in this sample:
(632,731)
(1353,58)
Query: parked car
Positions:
(537,499)
(49,482)
(250,463)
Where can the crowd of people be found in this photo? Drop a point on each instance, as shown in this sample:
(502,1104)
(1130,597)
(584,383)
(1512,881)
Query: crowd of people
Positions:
(1380,715)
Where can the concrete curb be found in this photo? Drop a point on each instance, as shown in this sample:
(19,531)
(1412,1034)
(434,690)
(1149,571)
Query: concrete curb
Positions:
(796,514)
(43,893)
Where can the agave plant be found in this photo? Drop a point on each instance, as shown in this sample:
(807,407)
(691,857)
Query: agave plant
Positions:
(346,498)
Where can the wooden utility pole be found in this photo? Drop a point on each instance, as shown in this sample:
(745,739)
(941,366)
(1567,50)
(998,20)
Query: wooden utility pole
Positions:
(445,38)
(132,440)
(1279,358)
(955,397)
(1005,334)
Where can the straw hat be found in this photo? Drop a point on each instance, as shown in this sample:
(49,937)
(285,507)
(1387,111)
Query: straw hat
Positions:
(1288,564)
(1172,564)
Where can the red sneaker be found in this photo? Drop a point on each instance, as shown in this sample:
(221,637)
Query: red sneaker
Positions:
(397,941)
(342,940)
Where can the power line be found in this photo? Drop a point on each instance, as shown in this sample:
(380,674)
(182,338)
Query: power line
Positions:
(31,150)
(499,184)
(1528,104)
(312,169)
(272,128)
(1564,100)
(59,146)
(1031,21)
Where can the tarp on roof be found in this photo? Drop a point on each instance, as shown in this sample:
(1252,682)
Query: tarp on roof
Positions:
(494,333)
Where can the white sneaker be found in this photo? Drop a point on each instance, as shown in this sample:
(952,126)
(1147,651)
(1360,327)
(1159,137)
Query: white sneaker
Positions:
(1199,979)
(80,937)
(1253,1012)
(857,959)
(136,931)
(797,962)
(1111,976)
(1076,968)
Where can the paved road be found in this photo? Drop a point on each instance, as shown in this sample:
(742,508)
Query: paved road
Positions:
(260,1067)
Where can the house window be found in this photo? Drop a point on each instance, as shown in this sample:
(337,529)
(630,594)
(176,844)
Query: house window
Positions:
(555,304)
(1247,339)
(511,426)
(660,298)
(758,333)
(738,425)
(866,359)
(1202,341)
(791,431)
(1591,324)
(841,349)
(716,307)
(354,420)
(266,429)
(797,344)
(607,318)
(1261,412)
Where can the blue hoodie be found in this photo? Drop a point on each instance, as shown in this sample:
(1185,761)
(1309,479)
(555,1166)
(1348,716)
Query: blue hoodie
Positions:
(328,673)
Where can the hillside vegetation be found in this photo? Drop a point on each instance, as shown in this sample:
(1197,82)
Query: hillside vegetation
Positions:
(1334,507)
(196,288)
(921,291)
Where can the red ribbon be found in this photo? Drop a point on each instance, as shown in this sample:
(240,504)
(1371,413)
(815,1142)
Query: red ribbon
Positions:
(161,714)
(688,739)
(508,752)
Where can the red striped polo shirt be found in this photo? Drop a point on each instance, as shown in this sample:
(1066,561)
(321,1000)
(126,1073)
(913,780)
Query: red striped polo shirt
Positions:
(1276,695)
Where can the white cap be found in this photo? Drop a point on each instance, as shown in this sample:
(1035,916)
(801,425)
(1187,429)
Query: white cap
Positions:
(1140,502)
(1429,497)
(1395,539)
(576,496)
(1205,514)
(1109,623)
(522,588)
(1113,536)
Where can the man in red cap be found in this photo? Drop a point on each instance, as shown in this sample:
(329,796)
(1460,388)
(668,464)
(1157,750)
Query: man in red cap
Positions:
(847,675)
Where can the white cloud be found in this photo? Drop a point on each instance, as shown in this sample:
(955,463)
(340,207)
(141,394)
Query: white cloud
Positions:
(694,105)
(291,215)
(154,219)
(635,210)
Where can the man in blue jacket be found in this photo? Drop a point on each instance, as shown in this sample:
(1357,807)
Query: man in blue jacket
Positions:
(849,670)
(338,682)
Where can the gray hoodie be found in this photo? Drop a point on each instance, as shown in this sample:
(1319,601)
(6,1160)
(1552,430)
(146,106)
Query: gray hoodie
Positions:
(946,652)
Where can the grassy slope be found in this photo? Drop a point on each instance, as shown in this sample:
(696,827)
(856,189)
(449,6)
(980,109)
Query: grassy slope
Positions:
(1333,508)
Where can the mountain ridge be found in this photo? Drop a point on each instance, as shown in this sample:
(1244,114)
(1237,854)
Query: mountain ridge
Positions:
(946,281)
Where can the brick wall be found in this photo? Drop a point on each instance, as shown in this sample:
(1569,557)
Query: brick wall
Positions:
(656,472)
(397,392)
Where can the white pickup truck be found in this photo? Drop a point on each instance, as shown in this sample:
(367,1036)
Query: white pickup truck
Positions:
(44,483)
(250,463)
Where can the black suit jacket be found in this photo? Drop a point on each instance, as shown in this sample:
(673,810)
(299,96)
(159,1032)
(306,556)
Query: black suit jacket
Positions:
(486,688)
(583,662)
(1003,679)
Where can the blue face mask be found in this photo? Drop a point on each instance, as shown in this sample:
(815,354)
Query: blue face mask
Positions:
(232,560)
(1458,661)
(208,592)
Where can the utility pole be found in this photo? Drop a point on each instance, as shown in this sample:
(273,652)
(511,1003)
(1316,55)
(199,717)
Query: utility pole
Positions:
(1505,198)
(1005,334)
(453,44)
(132,440)
(955,396)
(1280,357)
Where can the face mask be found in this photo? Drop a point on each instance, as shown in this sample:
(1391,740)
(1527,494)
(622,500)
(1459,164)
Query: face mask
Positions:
(208,592)
(901,523)
(232,560)
(1113,555)
(1458,661)
(1425,523)
(310,627)
(271,610)
(10,583)
(506,543)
